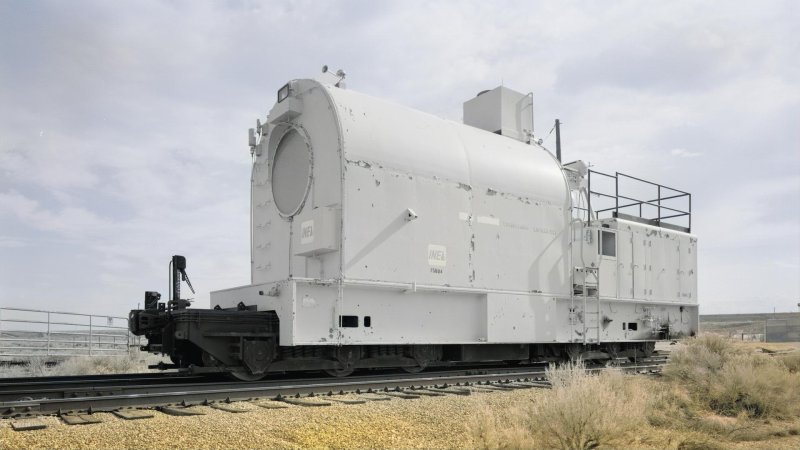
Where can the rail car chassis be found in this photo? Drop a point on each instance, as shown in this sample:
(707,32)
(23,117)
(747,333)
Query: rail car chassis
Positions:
(245,343)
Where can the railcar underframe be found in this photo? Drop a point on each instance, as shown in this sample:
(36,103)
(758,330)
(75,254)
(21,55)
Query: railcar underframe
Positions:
(247,344)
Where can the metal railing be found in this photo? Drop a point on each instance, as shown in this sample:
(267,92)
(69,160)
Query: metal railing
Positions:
(634,207)
(33,332)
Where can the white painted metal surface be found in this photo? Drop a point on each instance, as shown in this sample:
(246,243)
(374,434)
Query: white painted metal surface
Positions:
(437,231)
(502,111)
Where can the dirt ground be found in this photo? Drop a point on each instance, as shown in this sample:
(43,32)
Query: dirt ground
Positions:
(771,346)
(427,422)
(398,423)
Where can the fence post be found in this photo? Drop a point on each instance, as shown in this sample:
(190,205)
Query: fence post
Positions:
(90,335)
(48,333)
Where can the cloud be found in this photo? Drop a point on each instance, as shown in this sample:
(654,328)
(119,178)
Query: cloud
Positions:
(123,131)
(10,242)
(683,153)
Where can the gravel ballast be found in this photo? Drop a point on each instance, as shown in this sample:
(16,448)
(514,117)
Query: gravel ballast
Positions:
(426,422)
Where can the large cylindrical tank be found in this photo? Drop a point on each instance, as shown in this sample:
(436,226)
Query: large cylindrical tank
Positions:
(347,186)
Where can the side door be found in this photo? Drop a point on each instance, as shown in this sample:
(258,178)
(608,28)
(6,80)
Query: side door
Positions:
(625,263)
(607,255)
(639,265)
(688,267)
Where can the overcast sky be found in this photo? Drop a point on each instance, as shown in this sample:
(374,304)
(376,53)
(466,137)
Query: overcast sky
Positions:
(123,126)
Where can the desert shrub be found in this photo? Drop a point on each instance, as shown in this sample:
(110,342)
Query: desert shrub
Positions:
(32,366)
(791,361)
(752,432)
(587,411)
(758,385)
(582,411)
(37,366)
(83,365)
(729,380)
(491,432)
(701,357)
(697,441)
(671,407)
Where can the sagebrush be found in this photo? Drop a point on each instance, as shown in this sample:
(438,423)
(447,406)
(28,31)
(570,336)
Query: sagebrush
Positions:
(38,366)
(731,380)
(583,411)
(713,393)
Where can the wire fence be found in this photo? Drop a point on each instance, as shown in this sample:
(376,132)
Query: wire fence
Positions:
(783,330)
(31,332)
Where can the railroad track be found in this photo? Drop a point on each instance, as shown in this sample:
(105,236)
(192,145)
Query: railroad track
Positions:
(72,386)
(70,396)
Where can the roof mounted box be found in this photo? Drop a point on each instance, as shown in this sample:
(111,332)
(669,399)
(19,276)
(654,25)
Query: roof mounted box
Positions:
(503,111)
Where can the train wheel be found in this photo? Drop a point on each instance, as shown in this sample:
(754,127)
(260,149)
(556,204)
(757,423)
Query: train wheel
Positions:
(340,372)
(574,353)
(239,375)
(414,369)
(244,375)
(346,358)
(423,355)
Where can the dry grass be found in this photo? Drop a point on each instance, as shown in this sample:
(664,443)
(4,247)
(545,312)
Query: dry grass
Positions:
(588,411)
(132,363)
(491,432)
(583,411)
(37,366)
(732,380)
(714,394)
(791,361)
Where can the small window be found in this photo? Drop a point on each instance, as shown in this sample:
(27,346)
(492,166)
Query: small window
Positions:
(624,326)
(348,321)
(367,321)
(608,243)
(633,326)
(283,93)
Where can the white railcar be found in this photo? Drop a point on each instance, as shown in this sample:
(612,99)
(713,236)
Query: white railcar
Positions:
(390,232)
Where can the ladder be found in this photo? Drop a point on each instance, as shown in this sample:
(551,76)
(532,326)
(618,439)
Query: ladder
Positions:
(591,305)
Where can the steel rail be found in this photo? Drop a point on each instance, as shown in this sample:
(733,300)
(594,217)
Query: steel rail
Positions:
(149,396)
(54,383)
(74,386)
(86,388)
(79,388)
(78,380)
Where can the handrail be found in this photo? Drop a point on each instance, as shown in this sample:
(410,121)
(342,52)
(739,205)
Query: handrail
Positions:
(36,332)
(655,203)
(8,308)
(650,182)
(641,202)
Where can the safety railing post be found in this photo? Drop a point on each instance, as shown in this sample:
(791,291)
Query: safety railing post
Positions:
(589,200)
(90,335)
(659,204)
(616,194)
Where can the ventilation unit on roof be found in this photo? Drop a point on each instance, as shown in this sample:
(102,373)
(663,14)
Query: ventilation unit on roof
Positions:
(503,111)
